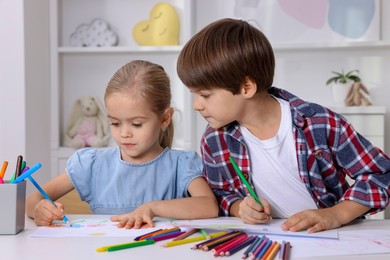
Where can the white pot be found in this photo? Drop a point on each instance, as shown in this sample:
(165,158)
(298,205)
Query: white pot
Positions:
(339,92)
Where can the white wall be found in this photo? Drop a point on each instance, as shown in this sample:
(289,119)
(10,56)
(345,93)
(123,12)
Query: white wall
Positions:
(304,72)
(24,85)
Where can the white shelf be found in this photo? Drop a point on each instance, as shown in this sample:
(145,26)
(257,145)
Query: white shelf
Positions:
(120,49)
(331,46)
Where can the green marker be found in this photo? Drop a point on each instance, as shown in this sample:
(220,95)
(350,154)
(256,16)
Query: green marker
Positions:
(242,177)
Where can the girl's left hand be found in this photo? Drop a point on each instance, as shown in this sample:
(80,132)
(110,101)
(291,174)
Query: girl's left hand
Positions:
(142,217)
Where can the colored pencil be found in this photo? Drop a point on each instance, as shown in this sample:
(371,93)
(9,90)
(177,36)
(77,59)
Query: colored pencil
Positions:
(3,169)
(166,233)
(286,253)
(165,236)
(27,173)
(261,253)
(125,245)
(44,194)
(186,234)
(281,252)
(192,239)
(269,250)
(242,177)
(273,253)
(253,246)
(147,234)
(205,233)
(258,248)
(222,248)
(219,241)
(200,245)
(248,241)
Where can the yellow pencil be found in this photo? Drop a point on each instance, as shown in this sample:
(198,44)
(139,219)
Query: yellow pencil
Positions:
(193,239)
(273,252)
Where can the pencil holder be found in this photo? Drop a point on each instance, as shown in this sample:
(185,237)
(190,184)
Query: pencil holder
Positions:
(13,201)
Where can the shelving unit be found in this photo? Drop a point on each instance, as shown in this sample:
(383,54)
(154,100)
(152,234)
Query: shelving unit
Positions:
(82,71)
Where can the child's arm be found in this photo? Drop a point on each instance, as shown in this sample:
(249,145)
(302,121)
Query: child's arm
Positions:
(315,220)
(43,211)
(201,204)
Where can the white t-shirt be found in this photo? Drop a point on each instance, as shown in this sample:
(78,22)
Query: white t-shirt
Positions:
(275,169)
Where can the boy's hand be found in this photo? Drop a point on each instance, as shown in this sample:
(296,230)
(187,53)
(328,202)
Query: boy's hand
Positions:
(45,212)
(142,217)
(312,220)
(252,212)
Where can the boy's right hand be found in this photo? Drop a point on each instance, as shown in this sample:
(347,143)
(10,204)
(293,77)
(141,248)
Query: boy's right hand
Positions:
(45,212)
(252,212)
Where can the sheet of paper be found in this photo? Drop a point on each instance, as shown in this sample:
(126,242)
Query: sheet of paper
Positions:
(95,227)
(231,223)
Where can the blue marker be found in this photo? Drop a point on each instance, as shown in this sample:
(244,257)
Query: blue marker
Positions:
(27,173)
(44,194)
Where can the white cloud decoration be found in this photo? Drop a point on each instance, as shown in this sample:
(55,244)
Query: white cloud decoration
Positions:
(95,34)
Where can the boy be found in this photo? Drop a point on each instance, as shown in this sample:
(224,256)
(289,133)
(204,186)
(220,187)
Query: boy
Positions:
(295,154)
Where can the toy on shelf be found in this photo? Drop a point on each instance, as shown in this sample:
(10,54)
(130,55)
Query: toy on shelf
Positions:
(358,95)
(87,125)
(161,29)
(95,34)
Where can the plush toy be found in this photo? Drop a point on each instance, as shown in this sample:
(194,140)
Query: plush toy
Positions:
(87,125)
(358,95)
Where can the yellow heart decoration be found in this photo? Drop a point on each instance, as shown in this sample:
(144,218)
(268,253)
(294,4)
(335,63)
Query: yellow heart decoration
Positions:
(162,28)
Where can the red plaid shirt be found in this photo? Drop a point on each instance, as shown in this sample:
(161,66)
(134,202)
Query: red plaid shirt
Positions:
(328,148)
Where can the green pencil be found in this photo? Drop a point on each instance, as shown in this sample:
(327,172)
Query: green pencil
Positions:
(242,177)
(130,245)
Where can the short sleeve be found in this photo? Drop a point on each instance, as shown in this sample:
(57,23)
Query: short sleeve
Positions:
(79,169)
(189,168)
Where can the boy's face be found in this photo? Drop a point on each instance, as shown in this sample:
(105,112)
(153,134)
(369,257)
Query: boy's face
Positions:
(134,127)
(218,107)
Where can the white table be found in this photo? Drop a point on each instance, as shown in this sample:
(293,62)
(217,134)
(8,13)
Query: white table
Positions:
(22,246)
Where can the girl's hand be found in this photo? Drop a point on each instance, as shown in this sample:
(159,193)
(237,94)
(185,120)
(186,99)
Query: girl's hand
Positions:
(45,212)
(142,217)
(252,212)
(312,220)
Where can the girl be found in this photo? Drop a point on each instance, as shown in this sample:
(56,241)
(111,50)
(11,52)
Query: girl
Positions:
(141,177)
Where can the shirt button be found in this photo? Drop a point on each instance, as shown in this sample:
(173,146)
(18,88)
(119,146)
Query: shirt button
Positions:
(318,154)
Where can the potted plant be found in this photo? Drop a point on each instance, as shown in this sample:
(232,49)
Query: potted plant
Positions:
(340,84)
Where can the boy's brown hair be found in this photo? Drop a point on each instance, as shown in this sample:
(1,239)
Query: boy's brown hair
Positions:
(223,54)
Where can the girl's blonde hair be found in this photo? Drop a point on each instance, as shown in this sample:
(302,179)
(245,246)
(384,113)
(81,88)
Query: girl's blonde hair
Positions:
(150,82)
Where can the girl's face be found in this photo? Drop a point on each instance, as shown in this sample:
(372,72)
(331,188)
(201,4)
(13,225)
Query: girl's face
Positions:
(134,127)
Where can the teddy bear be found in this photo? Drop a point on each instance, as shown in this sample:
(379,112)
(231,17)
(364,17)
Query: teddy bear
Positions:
(88,125)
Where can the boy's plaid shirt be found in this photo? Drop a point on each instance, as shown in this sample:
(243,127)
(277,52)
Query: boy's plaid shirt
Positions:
(328,148)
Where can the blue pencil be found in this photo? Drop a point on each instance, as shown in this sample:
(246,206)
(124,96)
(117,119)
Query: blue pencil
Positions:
(44,194)
(27,173)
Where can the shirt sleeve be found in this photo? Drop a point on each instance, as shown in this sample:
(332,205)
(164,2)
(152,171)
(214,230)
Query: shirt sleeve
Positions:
(189,168)
(79,169)
(222,183)
(368,166)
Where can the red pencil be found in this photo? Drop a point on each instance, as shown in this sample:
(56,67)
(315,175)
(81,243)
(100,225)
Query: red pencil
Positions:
(219,241)
(220,250)
(248,241)
(287,249)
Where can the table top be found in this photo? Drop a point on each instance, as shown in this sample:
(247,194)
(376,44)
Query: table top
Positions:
(23,246)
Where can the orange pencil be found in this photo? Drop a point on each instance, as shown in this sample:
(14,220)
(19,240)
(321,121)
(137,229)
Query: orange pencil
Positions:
(3,169)
(273,252)
(268,251)
(167,230)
